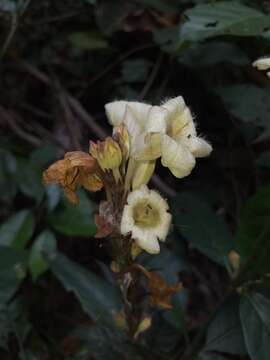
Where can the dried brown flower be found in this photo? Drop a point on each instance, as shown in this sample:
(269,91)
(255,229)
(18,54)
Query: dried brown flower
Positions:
(76,169)
(160,293)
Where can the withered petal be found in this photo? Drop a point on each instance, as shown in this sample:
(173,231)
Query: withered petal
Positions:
(75,170)
(81,159)
(55,173)
(71,195)
(92,182)
(160,293)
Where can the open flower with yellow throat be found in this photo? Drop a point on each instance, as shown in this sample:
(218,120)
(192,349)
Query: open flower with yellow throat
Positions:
(146,218)
(181,145)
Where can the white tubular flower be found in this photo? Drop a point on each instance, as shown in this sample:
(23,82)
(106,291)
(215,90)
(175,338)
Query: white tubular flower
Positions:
(167,131)
(181,145)
(145,216)
(262,63)
(144,122)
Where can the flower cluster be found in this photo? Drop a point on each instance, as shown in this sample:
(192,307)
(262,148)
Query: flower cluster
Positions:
(124,163)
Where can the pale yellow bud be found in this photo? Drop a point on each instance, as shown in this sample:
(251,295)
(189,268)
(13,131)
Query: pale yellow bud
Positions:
(121,135)
(107,153)
(115,267)
(234,260)
(120,320)
(135,250)
(143,173)
(143,326)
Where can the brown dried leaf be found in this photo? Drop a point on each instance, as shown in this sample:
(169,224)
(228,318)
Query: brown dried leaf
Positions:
(160,293)
(75,170)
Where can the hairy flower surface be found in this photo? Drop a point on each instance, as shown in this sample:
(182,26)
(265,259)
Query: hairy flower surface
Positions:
(75,170)
(181,145)
(145,216)
(165,131)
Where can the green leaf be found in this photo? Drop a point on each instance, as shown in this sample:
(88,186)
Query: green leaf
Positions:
(161,339)
(44,243)
(224,333)
(8,167)
(29,172)
(255,318)
(43,156)
(109,15)
(135,70)
(8,6)
(199,224)
(253,107)
(166,263)
(74,220)
(106,343)
(223,18)
(13,6)
(53,194)
(213,53)
(177,315)
(161,5)
(88,41)
(252,237)
(99,299)
(18,229)
(212,356)
(12,272)
(167,38)
(29,179)
(14,320)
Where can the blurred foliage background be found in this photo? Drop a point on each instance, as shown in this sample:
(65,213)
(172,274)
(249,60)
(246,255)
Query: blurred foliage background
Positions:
(60,62)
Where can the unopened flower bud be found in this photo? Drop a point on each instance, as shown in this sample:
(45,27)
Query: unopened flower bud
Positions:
(120,320)
(143,326)
(135,250)
(234,260)
(121,135)
(107,153)
(143,173)
(115,267)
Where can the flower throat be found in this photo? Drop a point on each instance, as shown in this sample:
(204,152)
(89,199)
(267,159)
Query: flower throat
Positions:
(145,214)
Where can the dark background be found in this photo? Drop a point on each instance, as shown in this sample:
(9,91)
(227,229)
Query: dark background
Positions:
(60,62)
